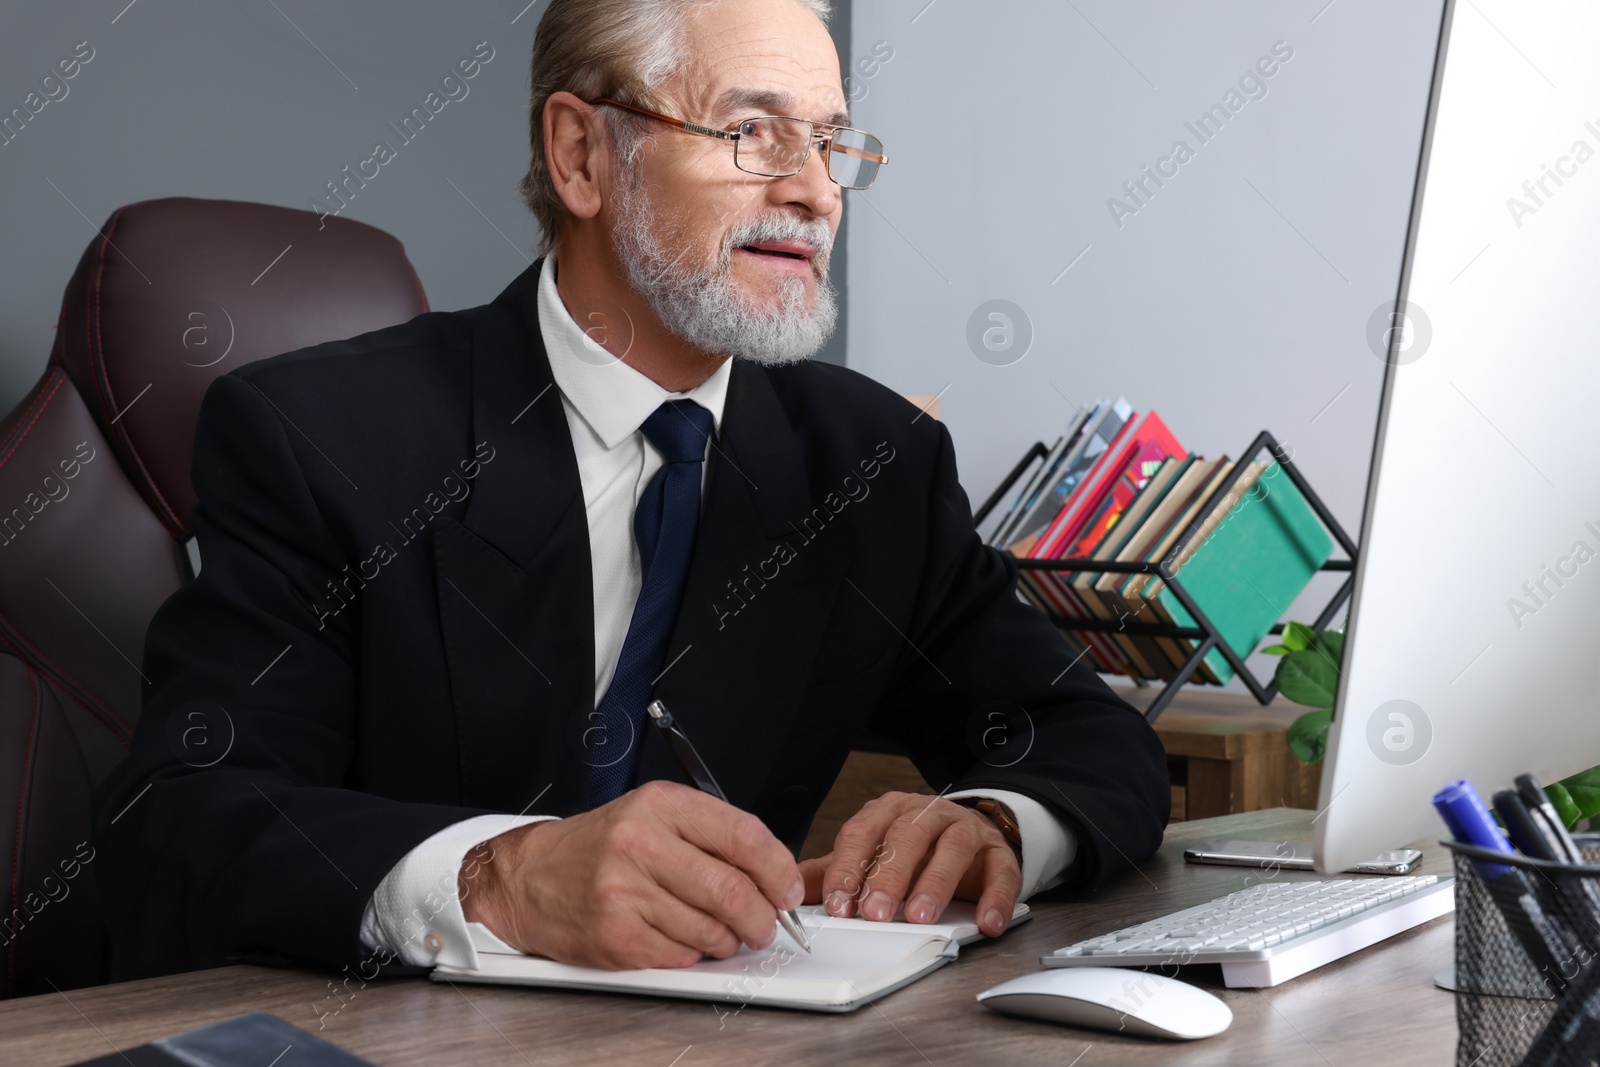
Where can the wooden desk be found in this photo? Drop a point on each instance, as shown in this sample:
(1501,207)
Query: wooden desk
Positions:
(1378,1006)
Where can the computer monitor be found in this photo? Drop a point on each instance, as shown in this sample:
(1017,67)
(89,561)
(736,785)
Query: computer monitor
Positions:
(1473,643)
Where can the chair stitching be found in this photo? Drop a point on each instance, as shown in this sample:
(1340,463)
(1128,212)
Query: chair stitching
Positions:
(39,397)
(16,636)
(29,428)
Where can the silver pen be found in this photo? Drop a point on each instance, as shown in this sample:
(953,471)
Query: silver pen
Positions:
(696,771)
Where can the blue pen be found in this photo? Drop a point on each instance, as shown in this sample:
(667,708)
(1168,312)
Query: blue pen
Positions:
(1464,812)
(1542,937)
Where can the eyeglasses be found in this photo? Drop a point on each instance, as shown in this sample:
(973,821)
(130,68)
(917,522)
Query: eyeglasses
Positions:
(777,146)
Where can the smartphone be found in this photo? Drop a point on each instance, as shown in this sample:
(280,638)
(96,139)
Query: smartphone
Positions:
(1293,856)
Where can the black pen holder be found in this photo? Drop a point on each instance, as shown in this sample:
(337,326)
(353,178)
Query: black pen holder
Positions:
(1527,945)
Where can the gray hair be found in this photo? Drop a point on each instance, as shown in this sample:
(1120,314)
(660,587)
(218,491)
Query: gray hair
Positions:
(621,48)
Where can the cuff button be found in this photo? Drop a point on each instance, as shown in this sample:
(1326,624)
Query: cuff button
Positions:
(434,942)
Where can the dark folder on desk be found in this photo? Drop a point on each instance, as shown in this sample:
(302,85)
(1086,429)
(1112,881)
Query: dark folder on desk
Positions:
(246,1041)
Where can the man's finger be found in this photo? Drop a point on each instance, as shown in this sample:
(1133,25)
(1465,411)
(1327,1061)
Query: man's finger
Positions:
(812,871)
(909,842)
(642,946)
(714,888)
(1002,884)
(736,837)
(934,887)
(857,853)
(687,925)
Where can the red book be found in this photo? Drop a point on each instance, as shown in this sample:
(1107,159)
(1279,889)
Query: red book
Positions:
(1088,493)
(1049,585)
(1049,593)
(1155,445)
(1098,504)
(1143,439)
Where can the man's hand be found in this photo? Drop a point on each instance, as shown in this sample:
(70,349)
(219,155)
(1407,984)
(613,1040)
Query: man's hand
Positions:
(659,877)
(924,851)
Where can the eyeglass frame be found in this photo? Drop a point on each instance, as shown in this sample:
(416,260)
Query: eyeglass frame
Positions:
(723,135)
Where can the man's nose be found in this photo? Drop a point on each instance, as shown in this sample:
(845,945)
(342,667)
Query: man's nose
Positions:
(811,188)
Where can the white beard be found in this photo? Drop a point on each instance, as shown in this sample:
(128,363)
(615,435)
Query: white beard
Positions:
(703,306)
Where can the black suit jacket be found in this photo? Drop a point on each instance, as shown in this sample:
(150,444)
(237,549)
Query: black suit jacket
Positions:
(392,630)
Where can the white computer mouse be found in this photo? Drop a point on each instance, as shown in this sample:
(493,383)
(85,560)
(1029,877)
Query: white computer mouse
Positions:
(1112,998)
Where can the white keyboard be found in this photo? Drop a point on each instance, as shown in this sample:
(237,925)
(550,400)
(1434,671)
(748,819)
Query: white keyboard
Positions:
(1274,931)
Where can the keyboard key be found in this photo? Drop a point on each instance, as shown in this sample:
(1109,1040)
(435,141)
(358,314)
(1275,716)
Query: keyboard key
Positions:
(1125,947)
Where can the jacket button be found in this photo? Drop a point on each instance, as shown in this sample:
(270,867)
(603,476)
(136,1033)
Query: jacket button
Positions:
(794,796)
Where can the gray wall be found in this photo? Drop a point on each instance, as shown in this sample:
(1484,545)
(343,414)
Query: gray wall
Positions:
(239,101)
(1236,299)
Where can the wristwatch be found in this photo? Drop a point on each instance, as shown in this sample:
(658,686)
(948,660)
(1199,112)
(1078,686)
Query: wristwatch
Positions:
(1000,816)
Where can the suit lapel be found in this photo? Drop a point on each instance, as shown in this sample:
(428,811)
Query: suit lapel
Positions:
(516,598)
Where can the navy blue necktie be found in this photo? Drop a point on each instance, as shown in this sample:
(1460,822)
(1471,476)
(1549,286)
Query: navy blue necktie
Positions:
(664,528)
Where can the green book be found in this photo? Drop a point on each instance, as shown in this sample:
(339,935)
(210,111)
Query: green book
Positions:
(1251,568)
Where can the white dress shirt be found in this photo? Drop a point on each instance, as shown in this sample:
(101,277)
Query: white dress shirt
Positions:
(416,913)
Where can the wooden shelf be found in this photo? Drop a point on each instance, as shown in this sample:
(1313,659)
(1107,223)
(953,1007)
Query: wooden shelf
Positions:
(1229,754)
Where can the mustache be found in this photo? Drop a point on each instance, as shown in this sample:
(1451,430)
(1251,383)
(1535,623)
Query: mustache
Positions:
(813,232)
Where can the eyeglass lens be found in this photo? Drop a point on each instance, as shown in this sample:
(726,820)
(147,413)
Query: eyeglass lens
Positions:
(776,147)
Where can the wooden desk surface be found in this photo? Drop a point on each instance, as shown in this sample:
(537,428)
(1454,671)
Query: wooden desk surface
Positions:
(1378,1006)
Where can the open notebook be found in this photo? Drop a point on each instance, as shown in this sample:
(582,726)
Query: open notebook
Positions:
(852,961)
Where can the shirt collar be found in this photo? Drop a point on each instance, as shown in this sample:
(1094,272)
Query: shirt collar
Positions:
(612,397)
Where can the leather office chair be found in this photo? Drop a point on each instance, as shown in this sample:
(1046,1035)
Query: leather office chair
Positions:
(94,510)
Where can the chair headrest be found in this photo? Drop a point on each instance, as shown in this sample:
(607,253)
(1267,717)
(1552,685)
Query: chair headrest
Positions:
(175,292)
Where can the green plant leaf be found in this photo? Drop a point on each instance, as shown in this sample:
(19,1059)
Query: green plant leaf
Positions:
(1276,650)
(1297,635)
(1584,788)
(1308,736)
(1331,642)
(1307,677)
(1566,808)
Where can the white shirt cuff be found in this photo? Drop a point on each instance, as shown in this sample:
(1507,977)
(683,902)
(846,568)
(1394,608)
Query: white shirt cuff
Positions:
(1048,845)
(415,913)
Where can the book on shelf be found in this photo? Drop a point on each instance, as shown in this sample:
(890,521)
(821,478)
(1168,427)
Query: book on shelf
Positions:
(1024,499)
(1101,429)
(1064,472)
(1149,444)
(1200,501)
(1110,485)
(1075,512)
(1048,598)
(1111,545)
(1118,486)
(1260,555)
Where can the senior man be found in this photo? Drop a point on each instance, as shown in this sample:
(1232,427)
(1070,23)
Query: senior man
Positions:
(650,492)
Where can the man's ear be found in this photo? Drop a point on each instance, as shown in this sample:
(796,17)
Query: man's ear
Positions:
(575,152)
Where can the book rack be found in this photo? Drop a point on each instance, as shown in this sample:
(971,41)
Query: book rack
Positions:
(1203,629)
